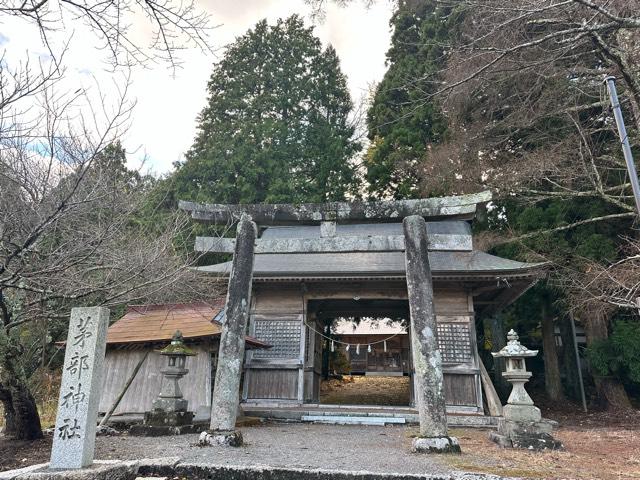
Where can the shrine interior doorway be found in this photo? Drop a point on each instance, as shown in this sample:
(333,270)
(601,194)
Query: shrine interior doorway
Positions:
(361,352)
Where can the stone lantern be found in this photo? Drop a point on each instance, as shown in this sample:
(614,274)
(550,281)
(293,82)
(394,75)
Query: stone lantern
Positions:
(170,415)
(170,398)
(519,405)
(522,425)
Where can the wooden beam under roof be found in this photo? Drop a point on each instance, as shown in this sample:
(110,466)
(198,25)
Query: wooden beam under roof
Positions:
(463,207)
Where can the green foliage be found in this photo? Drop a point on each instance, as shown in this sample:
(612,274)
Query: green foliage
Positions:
(618,355)
(526,314)
(597,241)
(572,247)
(401,122)
(276,126)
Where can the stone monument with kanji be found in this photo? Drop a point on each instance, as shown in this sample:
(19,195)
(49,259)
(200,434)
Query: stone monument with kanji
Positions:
(75,431)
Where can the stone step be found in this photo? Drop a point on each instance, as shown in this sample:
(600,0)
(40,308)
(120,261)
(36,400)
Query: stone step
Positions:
(297,414)
(351,420)
(205,471)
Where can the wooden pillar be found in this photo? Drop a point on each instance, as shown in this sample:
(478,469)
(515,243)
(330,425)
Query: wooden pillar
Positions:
(226,392)
(427,361)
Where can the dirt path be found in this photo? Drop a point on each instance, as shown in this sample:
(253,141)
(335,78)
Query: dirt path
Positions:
(363,390)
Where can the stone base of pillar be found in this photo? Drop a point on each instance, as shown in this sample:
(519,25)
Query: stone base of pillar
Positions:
(435,445)
(231,438)
(527,435)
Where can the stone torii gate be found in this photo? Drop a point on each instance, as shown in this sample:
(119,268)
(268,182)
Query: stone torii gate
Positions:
(427,361)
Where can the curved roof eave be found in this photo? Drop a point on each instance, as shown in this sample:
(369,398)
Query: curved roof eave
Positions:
(381,265)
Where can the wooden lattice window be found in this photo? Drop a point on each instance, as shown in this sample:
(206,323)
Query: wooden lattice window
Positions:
(283,335)
(454,342)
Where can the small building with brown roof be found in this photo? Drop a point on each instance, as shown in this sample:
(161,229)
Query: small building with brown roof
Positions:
(143,331)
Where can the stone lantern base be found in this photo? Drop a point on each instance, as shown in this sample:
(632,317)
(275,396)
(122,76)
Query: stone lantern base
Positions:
(532,435)
(159,422)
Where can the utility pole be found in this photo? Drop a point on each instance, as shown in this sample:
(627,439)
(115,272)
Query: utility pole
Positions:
(624,139)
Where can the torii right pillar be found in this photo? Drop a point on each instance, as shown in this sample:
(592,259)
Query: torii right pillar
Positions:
(427,361)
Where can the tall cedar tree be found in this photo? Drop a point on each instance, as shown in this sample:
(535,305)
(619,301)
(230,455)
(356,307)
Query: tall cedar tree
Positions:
(276,126)
(401,123)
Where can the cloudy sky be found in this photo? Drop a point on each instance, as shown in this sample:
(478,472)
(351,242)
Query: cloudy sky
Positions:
(162,126)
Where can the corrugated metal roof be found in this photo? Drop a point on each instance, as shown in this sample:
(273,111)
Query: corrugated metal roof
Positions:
(158,323)
(374,264)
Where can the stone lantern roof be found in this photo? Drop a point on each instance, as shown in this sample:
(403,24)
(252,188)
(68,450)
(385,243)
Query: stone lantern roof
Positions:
(177,346)
(514,348)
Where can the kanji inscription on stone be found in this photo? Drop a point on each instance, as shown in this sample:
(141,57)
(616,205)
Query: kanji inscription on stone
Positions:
(75,431)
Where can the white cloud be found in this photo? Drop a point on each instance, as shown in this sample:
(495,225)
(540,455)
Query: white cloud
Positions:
(164,119)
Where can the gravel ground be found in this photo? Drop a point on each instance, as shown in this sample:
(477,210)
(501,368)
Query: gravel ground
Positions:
(353,448)
(599,445)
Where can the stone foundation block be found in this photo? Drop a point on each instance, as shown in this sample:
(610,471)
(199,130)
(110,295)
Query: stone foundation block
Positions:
(165,418)
(508,427)
(435,445)
(540,441)
(228,439)
(528,435)
(170,404)
(162,430)
(532,441)
(522,413)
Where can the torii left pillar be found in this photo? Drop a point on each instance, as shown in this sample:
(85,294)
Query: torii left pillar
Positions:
(226,392)
(427,362)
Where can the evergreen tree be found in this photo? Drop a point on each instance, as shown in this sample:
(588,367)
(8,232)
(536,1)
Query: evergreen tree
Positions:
(276,126)
(401,121)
